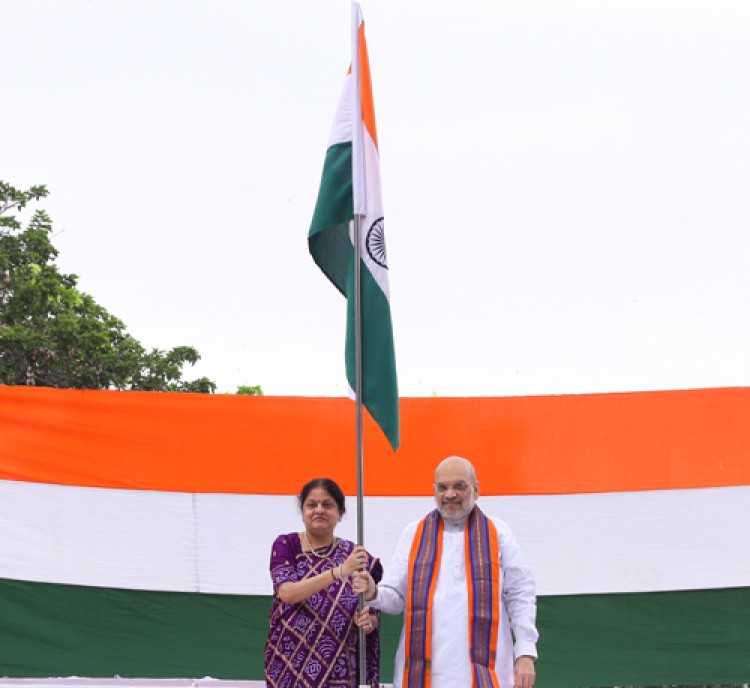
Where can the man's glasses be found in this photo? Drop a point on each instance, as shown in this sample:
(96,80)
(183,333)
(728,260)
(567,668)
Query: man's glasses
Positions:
(461,486)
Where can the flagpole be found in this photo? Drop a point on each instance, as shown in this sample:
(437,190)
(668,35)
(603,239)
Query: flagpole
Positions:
(357,231)
(360,438)
(358,206)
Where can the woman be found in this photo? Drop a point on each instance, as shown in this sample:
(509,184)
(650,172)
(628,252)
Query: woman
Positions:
(313,640)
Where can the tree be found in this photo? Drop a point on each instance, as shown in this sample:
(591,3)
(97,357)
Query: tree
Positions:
(250,391)
(53,335)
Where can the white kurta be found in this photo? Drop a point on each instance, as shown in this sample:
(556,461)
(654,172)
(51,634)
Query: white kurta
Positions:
(451,664)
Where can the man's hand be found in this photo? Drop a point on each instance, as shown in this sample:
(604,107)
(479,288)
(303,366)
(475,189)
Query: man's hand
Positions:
(523,672)
(362,582)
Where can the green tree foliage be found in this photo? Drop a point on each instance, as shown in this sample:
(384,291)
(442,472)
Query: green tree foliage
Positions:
(250,391)
(52,334)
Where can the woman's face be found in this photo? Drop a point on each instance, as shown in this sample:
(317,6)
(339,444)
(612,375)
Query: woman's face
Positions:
(320,512)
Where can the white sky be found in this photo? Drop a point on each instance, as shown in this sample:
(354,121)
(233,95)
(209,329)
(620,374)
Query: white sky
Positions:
(566,184)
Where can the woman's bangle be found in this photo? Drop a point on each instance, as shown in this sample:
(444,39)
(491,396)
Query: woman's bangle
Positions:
(333,575)
(341,571)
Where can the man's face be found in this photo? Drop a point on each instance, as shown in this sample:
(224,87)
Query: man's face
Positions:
(455,491)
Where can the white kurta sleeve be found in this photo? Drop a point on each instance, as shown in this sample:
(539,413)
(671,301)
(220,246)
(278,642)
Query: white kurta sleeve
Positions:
(391,597)
(518,593)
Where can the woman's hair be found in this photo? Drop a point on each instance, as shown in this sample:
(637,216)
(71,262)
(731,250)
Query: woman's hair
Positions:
(329,486)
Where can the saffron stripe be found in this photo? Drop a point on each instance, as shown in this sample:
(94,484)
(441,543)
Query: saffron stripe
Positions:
(368,106)
(234,444)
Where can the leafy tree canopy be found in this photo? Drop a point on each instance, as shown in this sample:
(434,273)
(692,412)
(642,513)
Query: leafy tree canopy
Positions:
(52,334)
(250,391)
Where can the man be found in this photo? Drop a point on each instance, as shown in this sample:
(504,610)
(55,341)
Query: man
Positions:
(445,576)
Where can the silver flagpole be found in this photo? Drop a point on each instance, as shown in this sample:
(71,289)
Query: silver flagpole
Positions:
(358,179)
(360,439)
(358,207)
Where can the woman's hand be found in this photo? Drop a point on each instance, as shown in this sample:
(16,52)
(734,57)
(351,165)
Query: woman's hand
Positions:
(366,620)
(356,561)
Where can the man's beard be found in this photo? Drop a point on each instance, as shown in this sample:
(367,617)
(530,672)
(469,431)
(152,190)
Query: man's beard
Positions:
(465,507)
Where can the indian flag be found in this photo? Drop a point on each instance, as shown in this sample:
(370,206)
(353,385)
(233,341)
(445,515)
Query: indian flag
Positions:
(350,192)
(135,528)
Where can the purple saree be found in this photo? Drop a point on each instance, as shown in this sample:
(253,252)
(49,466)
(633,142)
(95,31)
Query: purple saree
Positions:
(313,644)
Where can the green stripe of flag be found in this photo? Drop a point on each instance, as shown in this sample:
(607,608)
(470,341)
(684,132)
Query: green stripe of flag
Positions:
(331,247)
(379,392)
(685,638)
(328,239)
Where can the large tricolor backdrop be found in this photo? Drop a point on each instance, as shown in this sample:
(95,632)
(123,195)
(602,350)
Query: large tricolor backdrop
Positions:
(135,528)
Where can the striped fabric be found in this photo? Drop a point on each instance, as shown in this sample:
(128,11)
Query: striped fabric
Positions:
(136,527)
(482,559)
(425,553)
(483,576)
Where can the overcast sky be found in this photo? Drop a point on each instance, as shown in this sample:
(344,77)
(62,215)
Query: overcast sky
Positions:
(566,184)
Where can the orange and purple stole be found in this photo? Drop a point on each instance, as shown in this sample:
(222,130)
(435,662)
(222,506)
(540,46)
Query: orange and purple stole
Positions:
(483,583)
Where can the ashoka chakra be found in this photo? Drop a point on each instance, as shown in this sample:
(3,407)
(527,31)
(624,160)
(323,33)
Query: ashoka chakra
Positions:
(375,243)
